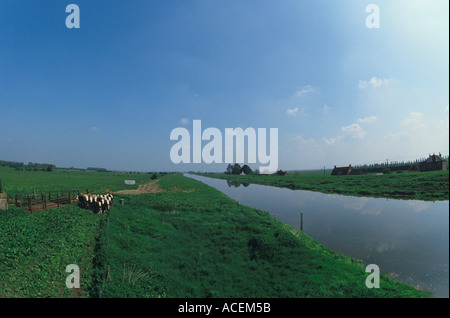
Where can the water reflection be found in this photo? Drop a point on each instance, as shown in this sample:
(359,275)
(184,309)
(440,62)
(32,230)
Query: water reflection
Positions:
(237,184)
(408,239)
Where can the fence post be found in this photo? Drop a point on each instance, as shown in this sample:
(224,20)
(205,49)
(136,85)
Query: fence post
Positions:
(16,199)
(31,209)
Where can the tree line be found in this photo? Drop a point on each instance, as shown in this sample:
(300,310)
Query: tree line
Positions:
(412,165)
(30,166)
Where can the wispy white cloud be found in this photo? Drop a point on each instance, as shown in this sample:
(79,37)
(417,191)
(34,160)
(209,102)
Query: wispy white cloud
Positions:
(304,91)
(354,131)
(292,112)
(93,128)
(184,121)
(325,109)
(300,139)
(332,141)
(414,121)
(367,120)
(394,136)
(373,82)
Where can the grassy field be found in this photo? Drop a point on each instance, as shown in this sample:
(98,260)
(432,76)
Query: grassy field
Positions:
(17,182)
(427,186)
(188,241)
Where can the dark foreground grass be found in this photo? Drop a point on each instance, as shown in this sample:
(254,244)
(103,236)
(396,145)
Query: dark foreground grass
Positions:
(427,186)
(193,241)
(36,249)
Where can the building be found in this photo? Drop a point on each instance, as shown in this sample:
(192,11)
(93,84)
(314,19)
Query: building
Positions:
(434,162)
(341,171)
(346,171)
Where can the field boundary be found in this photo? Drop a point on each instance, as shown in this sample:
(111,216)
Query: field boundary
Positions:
(38,202)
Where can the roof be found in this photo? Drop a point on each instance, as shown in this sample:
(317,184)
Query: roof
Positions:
(434,158)
(341,170)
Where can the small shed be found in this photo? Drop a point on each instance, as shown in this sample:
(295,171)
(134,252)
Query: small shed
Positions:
(342,171)
(434,162)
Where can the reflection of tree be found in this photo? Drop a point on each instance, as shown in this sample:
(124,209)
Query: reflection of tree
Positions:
(236,184)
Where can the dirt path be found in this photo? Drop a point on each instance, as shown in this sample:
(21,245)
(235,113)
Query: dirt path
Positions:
(151,187)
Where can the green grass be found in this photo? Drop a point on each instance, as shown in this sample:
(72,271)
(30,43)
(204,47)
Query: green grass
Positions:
(189,241)
(35,250)
(202,244)
(17,182)
(427,186)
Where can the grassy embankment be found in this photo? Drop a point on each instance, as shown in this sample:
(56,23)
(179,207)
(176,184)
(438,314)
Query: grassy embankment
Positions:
(193,241)
(189,241)
(427,186)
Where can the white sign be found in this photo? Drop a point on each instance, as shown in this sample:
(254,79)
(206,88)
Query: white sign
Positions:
(130,182)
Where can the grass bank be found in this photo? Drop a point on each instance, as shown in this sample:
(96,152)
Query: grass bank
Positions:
(427,186)
(188,241)
(193,241)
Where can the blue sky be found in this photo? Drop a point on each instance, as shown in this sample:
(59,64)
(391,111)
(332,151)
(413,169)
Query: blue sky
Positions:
(109,93)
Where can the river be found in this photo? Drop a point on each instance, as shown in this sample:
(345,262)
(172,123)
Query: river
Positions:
(407,239)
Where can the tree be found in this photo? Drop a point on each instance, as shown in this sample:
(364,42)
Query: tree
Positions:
(236,169)
(229,169)
(247,170)
(154,176)
(280,173)
(1,189)
(49,168)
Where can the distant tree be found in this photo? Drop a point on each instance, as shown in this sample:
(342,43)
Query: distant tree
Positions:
(154,176)
(229,169)
(256,171)
(1,187)
(236,169)
(49,168)
(280,173)
(246,169)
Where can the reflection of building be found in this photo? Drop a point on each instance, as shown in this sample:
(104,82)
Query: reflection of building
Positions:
(341,171)
(434,162)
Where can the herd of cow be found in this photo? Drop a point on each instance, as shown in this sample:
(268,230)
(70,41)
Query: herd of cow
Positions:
(94,202)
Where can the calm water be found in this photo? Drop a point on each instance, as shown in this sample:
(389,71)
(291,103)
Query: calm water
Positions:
(409,239)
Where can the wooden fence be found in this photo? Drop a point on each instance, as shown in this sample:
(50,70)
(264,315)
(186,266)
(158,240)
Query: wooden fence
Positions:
(39,202)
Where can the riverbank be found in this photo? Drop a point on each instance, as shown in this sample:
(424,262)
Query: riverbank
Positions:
(426,186)
(189,240)
(193,241)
